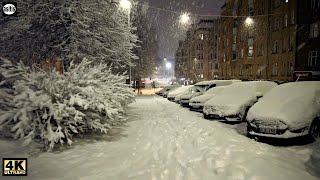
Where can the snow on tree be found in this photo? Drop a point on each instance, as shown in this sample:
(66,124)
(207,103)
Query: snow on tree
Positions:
(71,30)
(52,107)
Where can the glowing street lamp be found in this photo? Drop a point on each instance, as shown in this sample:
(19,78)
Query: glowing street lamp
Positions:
(184,18)
(125,4)
(249,21)
(168,65)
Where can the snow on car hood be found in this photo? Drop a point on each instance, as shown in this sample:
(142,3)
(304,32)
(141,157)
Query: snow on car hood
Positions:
(190,95)
(202,98)
(296,104)
(230,104)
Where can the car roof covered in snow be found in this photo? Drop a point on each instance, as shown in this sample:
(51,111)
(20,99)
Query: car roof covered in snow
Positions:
(217,82)
(295,104)
(258,87)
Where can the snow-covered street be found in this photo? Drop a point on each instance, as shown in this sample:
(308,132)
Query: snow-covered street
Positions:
(162,140)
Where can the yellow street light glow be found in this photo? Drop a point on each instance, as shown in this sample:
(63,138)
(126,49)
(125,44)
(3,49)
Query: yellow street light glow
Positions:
(249,21)
(125,4)
(184,18)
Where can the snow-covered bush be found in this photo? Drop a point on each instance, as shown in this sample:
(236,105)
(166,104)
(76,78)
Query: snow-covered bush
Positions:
(52,106)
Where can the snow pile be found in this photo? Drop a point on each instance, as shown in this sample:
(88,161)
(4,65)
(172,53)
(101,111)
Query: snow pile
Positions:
(296,104)
(53,107)
(314,162)
(235,98)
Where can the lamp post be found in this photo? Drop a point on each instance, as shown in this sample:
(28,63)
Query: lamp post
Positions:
(126,4)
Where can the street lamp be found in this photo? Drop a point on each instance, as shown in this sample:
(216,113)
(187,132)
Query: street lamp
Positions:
(126,4)
(168,65)
(249,21)
(184,18)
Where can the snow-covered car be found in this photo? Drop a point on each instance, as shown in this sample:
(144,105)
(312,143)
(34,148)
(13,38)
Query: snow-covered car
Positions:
(289,110)
(196,103)
(167,89)
(235,100)
(202,87)
(172,95)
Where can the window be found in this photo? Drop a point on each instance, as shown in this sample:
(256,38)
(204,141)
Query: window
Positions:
(242,53)
(283,69)
(240,70)
(290,69)
(224,58)
(201,36)
(275,48)
(260,50)
(292,17)
(290,48)
(287,1)
(275,69)
(259,70)
(285,24)
(250,51)
(215,55)
(313,58)
(250,70)
(314,30)
(216,66)
(276,24)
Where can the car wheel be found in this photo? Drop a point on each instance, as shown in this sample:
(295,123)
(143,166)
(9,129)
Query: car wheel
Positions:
(314,131)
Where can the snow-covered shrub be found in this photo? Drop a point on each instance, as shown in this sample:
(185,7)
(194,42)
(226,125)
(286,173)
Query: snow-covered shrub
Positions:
(52,107)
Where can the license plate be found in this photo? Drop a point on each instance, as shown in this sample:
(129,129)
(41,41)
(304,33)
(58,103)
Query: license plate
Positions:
(268,131)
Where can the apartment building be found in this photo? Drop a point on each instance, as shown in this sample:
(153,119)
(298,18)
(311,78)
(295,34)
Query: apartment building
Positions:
(196,56)
(257,39)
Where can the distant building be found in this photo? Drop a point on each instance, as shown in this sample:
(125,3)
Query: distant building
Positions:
(196,56)
(257,39)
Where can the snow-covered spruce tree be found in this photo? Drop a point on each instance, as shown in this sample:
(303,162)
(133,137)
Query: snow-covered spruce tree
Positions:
(52,107)
(70,30)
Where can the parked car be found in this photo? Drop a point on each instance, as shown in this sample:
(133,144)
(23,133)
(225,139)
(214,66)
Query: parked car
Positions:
(235,100)
(201,87)
(196,103)
(172,95)
(180,99)
(287,111)
(166,89)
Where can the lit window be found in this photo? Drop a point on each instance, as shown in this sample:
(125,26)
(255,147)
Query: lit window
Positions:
(287,1)
(292,17)
(314,30)
(250,51)
(201,36)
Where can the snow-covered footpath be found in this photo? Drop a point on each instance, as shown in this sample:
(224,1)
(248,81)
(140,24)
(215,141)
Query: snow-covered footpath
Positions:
(164,141)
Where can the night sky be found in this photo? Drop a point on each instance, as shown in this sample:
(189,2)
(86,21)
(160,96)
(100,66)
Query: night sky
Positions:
(169,29)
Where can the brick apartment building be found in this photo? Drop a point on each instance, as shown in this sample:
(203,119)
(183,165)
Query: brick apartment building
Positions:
(196,56)
(259,47)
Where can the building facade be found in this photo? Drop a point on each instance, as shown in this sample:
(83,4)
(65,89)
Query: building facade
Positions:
(196,56)
(307,64)
(257,39)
